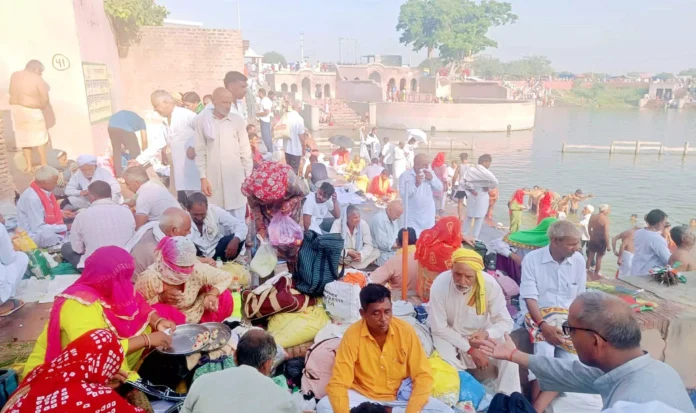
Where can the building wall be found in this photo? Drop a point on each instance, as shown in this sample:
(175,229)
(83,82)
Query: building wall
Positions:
(359,91)
(179,59)
(279,80)
(475,115)
(381,74)
(481,90)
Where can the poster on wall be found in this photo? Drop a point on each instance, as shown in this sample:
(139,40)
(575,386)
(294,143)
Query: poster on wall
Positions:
(98,91)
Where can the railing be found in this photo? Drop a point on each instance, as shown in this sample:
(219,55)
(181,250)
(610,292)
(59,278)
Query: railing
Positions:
(634,147)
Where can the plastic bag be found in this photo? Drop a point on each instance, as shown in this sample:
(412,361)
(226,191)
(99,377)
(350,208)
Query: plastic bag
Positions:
(470,389)
(23,242)
(292,329)
(283,230)
(38,266)
(265,260)
(446,386)
(281,130)
(342,302)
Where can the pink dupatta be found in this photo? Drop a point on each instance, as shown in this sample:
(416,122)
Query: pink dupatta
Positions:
(106,279)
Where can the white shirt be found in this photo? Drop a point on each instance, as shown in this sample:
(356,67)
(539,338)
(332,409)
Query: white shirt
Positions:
(240,109)
(351,238)
(293,146)
(266,105)
(419,200)
(651,250)
(549,283)
(227,224)
(384,232)
(79,182)
(585,222)
(372,171)
(104,223)
(152,200)
(180,136)
(317,211)
(31,215)
(388,153)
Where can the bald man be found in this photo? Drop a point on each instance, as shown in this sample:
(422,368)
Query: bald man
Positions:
(416,187)
(384,228)
(223,154)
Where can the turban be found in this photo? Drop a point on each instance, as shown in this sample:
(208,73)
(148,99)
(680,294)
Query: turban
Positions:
(83,160)
(478,291)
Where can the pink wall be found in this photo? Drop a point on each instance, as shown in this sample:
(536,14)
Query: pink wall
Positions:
(359,91)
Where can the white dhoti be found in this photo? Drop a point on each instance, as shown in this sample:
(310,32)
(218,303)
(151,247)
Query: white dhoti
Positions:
(476,209)
(10,276)
(355,399)
(47,238)
(626,261)
(79,202)
(364,262)
(508,379)
(29,127)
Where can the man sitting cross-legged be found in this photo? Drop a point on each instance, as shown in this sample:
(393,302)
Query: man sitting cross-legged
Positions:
(216,233)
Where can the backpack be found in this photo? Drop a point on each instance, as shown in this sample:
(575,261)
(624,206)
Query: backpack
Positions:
(317,262)
(319,363)
(514,403)
(8,384)
(509,287)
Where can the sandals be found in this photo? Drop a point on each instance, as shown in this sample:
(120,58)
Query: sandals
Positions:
(16,305)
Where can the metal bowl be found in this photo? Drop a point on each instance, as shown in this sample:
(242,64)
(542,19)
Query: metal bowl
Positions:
(184,338)
(224,335)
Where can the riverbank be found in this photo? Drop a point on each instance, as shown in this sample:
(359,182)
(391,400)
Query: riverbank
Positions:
(600,96)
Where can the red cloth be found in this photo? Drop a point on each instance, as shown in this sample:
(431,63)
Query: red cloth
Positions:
(518,197)
(545,209)
(268,183)
(439,160)
(377,188)
(435,246)
(225,307)
(75,381)
(343,156)
(106,279)
(50,205)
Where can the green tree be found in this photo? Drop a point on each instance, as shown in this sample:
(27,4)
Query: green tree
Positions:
(128,16)
(688,72)
(419,25)
(486,66)
(663,76)
(274,57)
(433,64)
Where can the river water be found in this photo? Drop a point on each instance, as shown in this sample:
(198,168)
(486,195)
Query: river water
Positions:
(629,184)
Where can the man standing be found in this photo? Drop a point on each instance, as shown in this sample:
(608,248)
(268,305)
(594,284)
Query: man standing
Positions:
(122,127)
(76,190)
(317,206)
(237,84)
(384,227)
(375,355)
(223,154)
(388,155)
(294,145)
(626,251)
(38,211)
(599,242)
(104,223)
(477,181)
(372,143)
(458,185)
(416,188)
(467,307)
(552,276)
(216,233)
(32,114)
(151,199)
(265,118)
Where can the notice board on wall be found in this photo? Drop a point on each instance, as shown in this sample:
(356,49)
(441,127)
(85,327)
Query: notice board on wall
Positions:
(98,91)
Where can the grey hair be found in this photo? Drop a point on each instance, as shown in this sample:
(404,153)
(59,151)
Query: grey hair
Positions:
(563,229)
(256,348)
(602,313)
(160,94)
(45,173)
(136,173)
(352,209)
(682,233)
(172,217)
(604,208)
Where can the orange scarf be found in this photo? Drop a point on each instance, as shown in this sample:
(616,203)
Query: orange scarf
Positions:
(379,187)
(50,205)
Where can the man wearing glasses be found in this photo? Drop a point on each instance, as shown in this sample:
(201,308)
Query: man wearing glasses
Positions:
(606,335)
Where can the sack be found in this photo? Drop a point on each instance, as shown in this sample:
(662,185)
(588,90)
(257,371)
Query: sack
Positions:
(319,363)
(273,298)
(423,332)
(265,260)
(281,130)
(446,380)
(283,230)
(292,329)
(470,389)
(38,266)
(8,384)
(342,302)
(317,263)
(514,403)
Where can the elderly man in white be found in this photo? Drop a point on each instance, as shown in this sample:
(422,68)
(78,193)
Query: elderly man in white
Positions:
(76,189)
(38,211)
(12,267)
(216,233)
(467,306)
(552,276)
(416,188)
(384,227)
(358,247)
(477,181)
(151,200)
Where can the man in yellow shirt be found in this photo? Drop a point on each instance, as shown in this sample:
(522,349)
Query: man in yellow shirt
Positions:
(375,355)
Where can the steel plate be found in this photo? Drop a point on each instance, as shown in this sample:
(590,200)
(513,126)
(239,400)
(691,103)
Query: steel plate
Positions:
(224,334)
(184,338)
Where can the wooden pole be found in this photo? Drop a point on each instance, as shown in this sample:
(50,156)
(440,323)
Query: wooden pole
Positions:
(404,264)
(637,147)
(563,148)
(611,148)
(686,148)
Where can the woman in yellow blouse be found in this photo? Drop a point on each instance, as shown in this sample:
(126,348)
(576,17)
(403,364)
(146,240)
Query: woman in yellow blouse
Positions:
(354,170)
(102,298)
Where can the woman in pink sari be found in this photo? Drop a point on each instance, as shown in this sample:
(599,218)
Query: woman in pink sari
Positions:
(182,288)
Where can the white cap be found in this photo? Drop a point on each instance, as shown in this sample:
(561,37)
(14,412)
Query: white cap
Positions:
(590,208)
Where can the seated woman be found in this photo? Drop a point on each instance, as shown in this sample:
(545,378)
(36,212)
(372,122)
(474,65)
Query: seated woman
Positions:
(381,187)
(83,374)
(183,289)
(102,298)
(358,247)
(340,156)
(354,170)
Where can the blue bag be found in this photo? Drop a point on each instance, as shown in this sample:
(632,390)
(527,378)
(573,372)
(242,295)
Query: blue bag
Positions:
(470,389)
(8,384)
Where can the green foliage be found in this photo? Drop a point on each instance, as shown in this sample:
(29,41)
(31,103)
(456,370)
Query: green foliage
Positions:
(663,76)
(457,28)
(525,68)
(688,72)
(128,16)
(274,57)
(433,64)
(600,95)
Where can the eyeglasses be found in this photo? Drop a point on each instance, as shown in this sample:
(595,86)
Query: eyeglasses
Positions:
(567,330)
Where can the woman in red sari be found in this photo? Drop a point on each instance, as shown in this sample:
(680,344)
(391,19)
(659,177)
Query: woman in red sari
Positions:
(381,187)
(77,380)
(545,209)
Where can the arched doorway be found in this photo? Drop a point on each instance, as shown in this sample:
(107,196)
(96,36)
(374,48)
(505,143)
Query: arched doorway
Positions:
(284,87)
(402,84)
(306,89)
(293,88)
(317,91)
(327,90)
(414,85)
(376,77)
(391,86)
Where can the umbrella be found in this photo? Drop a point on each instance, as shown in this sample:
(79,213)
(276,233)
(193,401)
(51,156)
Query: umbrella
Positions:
(342,140)
(418,135)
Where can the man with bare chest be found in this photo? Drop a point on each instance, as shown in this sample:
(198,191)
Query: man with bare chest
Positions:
(626,251)
(598,245)
(685,240)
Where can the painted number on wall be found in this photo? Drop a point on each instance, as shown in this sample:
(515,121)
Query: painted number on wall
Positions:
(60,62)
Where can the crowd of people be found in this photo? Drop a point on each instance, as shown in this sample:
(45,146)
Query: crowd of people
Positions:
(150,261)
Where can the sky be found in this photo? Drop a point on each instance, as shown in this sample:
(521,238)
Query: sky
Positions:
(608,36)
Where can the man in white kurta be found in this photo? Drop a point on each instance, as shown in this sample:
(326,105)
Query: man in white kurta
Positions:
(357,241)
(180,135)
(477,181)
(12,267)
(223,155)
(32,216)
(88,172)
(384,228)
(416,188)
(458,328)
(215,232)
